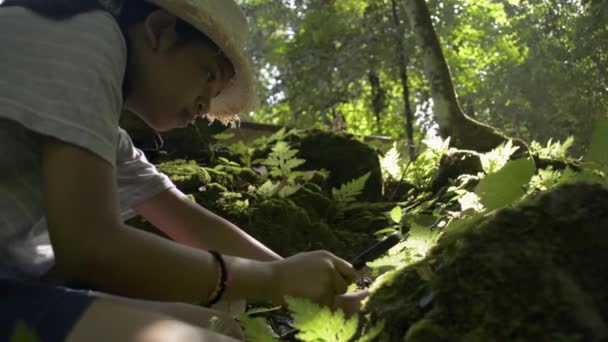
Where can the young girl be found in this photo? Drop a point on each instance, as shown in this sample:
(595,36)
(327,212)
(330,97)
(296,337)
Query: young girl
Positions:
(70,176)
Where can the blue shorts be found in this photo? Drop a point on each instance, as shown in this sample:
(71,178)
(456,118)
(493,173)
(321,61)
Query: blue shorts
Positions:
(48,312)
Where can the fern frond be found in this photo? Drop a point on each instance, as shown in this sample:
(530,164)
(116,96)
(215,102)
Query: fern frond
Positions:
(319,324)
(348,192)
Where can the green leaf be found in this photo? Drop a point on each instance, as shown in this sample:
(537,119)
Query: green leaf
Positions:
(597,154)
(288,190)
(223,136)
(396,214)
(373,332)
(23,333)
(320,324)
(349,191)
(506,186)
(268,189)
(386,231)
(293,163)
(496,159)
(257,330)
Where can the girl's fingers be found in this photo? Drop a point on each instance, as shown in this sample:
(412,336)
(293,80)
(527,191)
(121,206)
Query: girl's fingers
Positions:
(340,285)
(345,269)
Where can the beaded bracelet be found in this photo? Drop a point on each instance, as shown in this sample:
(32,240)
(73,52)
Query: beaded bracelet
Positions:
(222,281)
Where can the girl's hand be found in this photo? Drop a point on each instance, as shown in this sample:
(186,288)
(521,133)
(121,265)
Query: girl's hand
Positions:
(318,276)
(350,303)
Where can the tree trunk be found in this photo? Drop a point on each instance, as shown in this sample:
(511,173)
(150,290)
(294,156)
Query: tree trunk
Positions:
(465,132)
(407,109)
(378,99)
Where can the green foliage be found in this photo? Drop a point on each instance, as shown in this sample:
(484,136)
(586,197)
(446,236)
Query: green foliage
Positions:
(553,150)
(597,155)
(544,180)
(282,161)
(396,214)
(245,152)
(496,159)
(256,329)
(372,332)
(534,69)
(505,187)
(419,240)
(391,164)
(422,171)
(23,333)
(348,192)
(320,324)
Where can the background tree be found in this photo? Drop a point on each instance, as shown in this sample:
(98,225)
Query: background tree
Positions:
(533,69)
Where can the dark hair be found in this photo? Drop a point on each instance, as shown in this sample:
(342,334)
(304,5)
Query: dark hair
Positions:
(131,13)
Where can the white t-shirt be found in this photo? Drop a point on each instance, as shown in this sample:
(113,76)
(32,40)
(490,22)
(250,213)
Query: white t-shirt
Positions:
(62,79)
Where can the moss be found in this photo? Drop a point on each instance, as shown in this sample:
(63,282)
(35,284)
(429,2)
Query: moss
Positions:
(286,228)
(221,177)
(241,177)
(316,202)
(367,217)
(187,175)
(345,157)
(532,273)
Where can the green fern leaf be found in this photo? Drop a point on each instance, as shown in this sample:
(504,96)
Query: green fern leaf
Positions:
(349,191)
(319,324)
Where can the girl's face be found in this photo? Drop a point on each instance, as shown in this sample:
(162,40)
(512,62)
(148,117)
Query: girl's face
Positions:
(172,82)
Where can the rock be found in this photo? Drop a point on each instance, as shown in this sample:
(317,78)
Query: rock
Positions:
(536,272)
(187,175)
(193,142)
(345,157)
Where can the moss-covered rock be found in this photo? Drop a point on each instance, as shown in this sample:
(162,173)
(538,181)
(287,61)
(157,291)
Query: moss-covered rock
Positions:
(533,273)
(193,142)
(187,175)
(367,217)
(287,228)
(344,156)
(314,200)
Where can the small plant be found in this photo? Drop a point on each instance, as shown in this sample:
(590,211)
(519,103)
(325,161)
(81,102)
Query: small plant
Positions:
(257,330)
(421,171)
(348,192)
(282,161)
(553,150)
(496,159)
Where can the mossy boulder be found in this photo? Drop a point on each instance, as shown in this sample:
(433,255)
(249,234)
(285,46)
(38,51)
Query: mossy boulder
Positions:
(367,217)
(187,175)
(287,228)
(344,156)
(536,272)
(193,142)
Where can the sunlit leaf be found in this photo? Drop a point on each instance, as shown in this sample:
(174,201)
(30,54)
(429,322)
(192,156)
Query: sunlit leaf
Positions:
(506,186)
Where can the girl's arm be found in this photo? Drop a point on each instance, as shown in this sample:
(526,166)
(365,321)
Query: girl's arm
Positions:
(188,223)
(93,247)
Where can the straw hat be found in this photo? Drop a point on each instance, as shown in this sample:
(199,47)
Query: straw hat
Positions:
(224,23)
